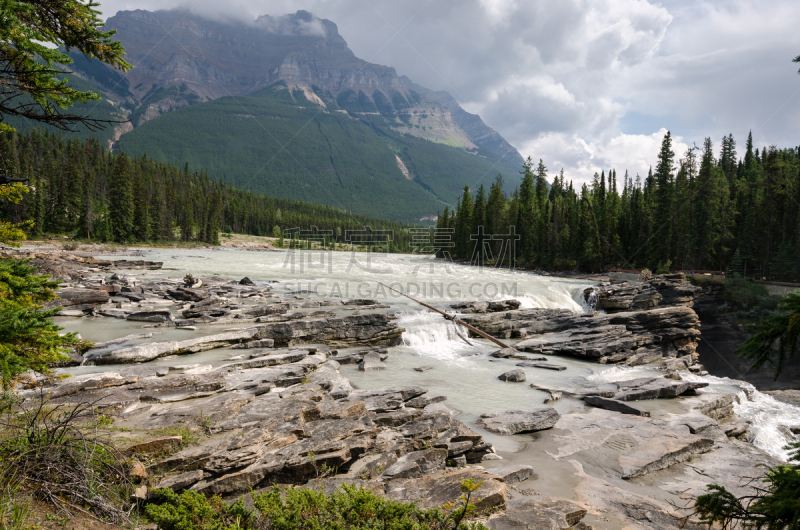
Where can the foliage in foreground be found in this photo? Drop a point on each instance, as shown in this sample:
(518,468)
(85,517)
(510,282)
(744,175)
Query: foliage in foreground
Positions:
(53,454)
(29,339)
(305,509)
(779,340)
(775,507)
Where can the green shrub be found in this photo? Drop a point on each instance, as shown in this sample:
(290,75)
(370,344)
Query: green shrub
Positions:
(349,508)
(750,301)
(774,507)
(29,340)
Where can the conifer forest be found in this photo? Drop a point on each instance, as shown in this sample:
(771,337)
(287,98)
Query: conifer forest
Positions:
(708,210)
(82,190)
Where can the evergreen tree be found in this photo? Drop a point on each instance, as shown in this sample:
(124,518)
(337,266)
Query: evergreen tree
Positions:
(121,200)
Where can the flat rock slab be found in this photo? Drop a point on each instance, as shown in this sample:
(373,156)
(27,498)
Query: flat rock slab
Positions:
(654,388)
(423,368)
(615,405)
(519,421)
(513,474)
(154,350)
(514,376)
(575,392)
(661,453)
(547,366)
(430,492)
(549,514)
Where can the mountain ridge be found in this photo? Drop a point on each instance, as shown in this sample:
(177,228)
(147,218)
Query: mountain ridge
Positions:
(184,60)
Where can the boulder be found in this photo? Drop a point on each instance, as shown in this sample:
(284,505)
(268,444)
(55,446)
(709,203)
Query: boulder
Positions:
(514,376)
(162,315)
(423,368)
(69,297)
(186,294)
(247,281)
(519,421)
(371,362)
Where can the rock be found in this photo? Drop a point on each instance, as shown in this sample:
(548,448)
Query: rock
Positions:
(575,392)
(374,329)
(514,376)
(716,406)
(360,302)
(506,353)
(430,492)
(417,464)
(513,474)
(661,291)
(370,362)
(662,452)
(70,313)
(420,402)
(549,514)
(163,315)
(737,428)
(261,343)
(181,482)
(137,264)
(547,366)
(155,446)
(69,297)
(486,307)
(653,388)
(140,493)
(185,294)
(791,397)
(154,350)
(607,338)
(137,472)
(519,421)
(551,397)
(247,281)
(423,368)
(615,405)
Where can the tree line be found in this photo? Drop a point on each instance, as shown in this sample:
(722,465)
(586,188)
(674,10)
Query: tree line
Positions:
(704,211)
(82,190)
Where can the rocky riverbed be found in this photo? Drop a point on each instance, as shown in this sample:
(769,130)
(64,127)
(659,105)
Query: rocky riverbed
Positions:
(222,386)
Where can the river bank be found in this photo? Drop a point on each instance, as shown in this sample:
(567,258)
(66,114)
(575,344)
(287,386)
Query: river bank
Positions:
(309,357)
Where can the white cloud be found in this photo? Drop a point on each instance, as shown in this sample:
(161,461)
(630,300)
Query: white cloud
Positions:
(580,159)
(583,84)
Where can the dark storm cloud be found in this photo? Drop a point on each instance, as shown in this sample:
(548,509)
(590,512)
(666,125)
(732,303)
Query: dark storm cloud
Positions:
(558,78)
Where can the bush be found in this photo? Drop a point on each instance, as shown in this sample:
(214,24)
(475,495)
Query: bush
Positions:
(52,454)
(751,301)
(305,509)
(70,245)
(29,339)
(775,507)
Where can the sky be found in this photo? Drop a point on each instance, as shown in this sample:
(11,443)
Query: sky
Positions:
(583,85)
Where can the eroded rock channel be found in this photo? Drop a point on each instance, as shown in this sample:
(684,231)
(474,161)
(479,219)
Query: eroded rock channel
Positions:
(275,407)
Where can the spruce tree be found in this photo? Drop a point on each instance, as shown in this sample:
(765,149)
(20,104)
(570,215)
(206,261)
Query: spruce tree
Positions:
(121,201)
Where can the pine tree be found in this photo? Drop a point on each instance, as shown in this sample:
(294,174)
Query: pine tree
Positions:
(664,201)
(121,201)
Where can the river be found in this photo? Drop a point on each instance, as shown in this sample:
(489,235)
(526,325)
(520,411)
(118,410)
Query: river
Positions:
(464,373)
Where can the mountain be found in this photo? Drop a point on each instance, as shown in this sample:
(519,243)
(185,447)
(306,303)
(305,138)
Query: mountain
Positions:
(282,106)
